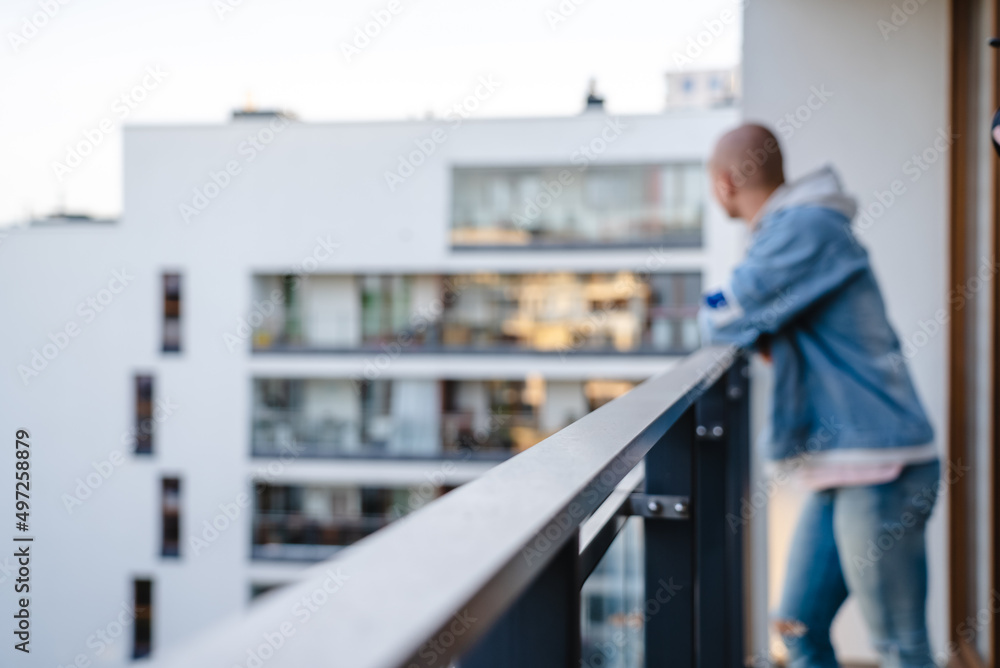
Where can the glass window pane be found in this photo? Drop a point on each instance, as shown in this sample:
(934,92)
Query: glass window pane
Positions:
(624,204)
(613,604)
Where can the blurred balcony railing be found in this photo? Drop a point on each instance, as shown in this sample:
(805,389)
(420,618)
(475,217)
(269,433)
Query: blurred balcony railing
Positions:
(666,331)
(490,575)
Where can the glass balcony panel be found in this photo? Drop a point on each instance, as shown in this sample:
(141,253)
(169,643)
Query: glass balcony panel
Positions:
(613,606)
(427,418)
(311,523)
(553,312)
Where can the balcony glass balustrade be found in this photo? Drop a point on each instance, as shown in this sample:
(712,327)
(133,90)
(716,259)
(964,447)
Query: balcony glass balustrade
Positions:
(552,313)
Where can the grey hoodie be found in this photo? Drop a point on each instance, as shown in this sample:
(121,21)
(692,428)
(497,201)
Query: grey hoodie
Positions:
(819,188)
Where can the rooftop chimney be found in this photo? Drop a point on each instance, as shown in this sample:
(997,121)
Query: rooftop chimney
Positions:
(594,102)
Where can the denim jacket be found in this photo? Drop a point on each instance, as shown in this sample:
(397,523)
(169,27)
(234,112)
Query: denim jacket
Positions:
(806,290)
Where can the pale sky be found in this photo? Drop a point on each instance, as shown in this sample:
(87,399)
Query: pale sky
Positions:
(61,80)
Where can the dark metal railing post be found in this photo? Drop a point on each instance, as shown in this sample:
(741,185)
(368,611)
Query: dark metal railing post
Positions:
(709,501)
(721,472)
(705,457)
(737,494)
(669,627)
(542,629)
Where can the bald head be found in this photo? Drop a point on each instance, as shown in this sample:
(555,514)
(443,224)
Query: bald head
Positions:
(752,155)
(746,167)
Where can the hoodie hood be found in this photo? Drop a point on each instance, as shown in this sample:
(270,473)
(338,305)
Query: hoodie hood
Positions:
(819,188)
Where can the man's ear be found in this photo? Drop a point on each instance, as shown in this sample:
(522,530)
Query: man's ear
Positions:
(733,179)
(718,190)
(723,182)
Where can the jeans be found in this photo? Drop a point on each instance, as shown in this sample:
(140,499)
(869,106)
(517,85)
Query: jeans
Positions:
(867,541)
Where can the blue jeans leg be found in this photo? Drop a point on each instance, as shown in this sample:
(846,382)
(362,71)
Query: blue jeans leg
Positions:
(880,535)
(814,587)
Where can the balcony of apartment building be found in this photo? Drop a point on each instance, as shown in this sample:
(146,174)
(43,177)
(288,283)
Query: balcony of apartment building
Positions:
(417,418)
(497,208)
(632,537)
(312,522)
(431,420)
(481,313)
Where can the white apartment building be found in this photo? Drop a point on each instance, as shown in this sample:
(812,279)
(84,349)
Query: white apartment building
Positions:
(298,331)
(703,89)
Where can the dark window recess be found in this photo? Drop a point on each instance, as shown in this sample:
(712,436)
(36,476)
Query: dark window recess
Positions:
(376,398)
(259,589)
(282,515)
(280,393)
(171,517)
(142,630)
(171,312)
(144,422)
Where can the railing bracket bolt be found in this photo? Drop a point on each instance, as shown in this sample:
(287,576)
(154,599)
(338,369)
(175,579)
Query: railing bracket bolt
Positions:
(701,430)
(658,506)
(717,431)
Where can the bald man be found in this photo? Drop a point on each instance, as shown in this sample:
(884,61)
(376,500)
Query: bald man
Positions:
(846,420)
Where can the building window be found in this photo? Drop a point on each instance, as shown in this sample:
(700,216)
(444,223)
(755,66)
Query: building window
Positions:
(312,522)
(144,422)
(511,426)
(600,392)
(376,413)
(258,589)
(171,509)
(672,312)
(622,312)
(385,305)
(171,312)
(417,417)
(142,630)
(605,205)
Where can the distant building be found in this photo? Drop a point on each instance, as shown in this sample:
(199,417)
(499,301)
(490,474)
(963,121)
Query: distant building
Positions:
(703,89)
(298,332)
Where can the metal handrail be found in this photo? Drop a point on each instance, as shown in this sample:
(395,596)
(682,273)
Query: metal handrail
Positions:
(455,567)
